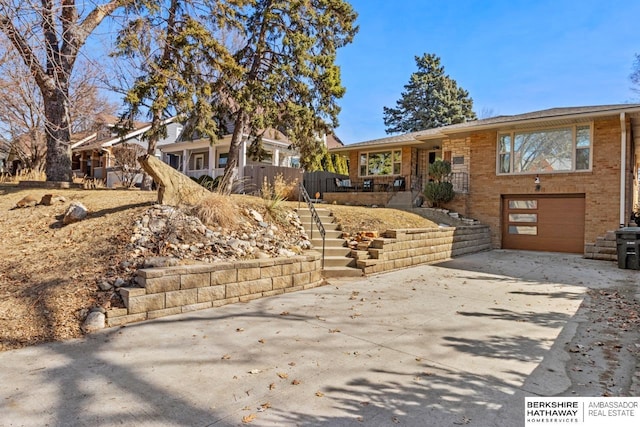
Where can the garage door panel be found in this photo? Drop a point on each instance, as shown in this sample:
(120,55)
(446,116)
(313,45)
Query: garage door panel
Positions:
(548,223)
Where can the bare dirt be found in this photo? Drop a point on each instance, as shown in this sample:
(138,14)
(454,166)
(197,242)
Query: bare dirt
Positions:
(49,272)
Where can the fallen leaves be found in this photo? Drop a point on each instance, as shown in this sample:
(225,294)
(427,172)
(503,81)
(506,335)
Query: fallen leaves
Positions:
(319,394)
(248,418)
(283,375)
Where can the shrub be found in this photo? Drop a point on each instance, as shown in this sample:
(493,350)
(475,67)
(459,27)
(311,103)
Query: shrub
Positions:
(438,191)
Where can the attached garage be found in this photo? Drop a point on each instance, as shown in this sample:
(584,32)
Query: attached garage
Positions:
(553,223)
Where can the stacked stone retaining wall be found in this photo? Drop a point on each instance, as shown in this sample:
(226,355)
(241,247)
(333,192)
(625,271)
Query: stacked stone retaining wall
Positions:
(405,248)
(173,290)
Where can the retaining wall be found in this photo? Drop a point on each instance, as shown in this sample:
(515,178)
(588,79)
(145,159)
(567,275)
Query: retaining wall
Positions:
(404,248)
(173,290)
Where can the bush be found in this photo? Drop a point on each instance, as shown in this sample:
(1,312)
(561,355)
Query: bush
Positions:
(438,191)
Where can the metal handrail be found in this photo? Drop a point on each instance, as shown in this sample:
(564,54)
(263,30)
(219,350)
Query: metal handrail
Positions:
(314,217)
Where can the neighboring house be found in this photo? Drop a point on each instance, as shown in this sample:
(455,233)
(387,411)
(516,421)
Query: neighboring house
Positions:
(551,180)
(199,157)
(92,151)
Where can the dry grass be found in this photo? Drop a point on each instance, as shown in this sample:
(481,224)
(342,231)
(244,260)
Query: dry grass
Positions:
(359,218)
(217,210)
(23,175)
(49,273)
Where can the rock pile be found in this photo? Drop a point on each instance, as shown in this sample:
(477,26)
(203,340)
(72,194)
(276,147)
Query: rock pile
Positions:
(166,231)
(167,236)
(361,241)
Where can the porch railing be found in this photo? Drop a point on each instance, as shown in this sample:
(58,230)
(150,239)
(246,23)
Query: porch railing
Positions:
(302,194)
(460,181)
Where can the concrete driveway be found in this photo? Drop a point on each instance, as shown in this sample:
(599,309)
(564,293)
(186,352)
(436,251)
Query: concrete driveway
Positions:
(457,343)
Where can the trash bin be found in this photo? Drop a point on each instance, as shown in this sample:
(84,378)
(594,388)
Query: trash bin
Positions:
(628,245)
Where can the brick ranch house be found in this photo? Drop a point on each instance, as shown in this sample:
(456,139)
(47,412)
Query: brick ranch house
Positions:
(552,180)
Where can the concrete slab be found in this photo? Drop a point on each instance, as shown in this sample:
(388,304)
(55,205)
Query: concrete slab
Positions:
(461,342)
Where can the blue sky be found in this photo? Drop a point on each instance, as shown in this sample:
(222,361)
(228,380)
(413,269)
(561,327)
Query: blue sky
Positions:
(512,56)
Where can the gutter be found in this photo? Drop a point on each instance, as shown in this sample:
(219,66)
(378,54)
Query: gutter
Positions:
(623,168)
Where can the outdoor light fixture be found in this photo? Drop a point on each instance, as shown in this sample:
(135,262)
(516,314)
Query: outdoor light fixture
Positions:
(537,182)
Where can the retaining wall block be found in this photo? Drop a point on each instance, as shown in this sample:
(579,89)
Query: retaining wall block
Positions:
(211,293)
(221,302)
(301,279)
(250,297)
(282,282)
(224,276)
(293,268)
(123,320)
(271,271)
(251,273)
(155,314)
(248,288)
(146,303)
(116,312)
(273,293)
(128,293)
(194,280)
(179,298)
(196,307)
(316,276)
(309,266)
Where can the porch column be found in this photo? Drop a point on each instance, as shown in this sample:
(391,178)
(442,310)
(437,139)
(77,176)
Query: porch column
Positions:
(212,160)
(276,157)
(184,161)
(242,158)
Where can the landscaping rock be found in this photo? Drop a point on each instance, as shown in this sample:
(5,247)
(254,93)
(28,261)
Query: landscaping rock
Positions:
(160,261)
(75,212)
(27,202)
(95,321)
(50,199)
(166,236)
(105,285)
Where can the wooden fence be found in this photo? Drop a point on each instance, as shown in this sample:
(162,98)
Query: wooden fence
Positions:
(321,182)
(255,175)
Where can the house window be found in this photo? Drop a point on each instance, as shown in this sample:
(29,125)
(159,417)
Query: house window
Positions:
(381,163)
(198,161)
(563,149)
(222,160)
(174,160)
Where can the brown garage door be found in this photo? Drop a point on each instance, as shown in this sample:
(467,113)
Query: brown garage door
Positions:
(552,223)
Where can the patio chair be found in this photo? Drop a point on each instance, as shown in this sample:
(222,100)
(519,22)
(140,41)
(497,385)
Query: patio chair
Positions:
(399,184)
(344,184)
(367,185)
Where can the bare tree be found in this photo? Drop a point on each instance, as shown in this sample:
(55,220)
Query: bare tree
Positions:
(126,162)
(48,36)
(22,131)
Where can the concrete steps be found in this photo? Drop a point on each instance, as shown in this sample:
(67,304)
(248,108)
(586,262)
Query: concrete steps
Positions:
(337,256)
(604,248)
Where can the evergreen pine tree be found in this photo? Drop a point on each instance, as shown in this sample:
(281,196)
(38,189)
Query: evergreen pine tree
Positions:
(431,99)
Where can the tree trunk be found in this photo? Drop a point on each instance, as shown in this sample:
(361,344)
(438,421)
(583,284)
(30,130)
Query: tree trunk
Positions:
(228,178)
(58,136)
(174,188)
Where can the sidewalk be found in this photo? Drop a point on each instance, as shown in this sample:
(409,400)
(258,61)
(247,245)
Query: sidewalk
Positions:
(457,343)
